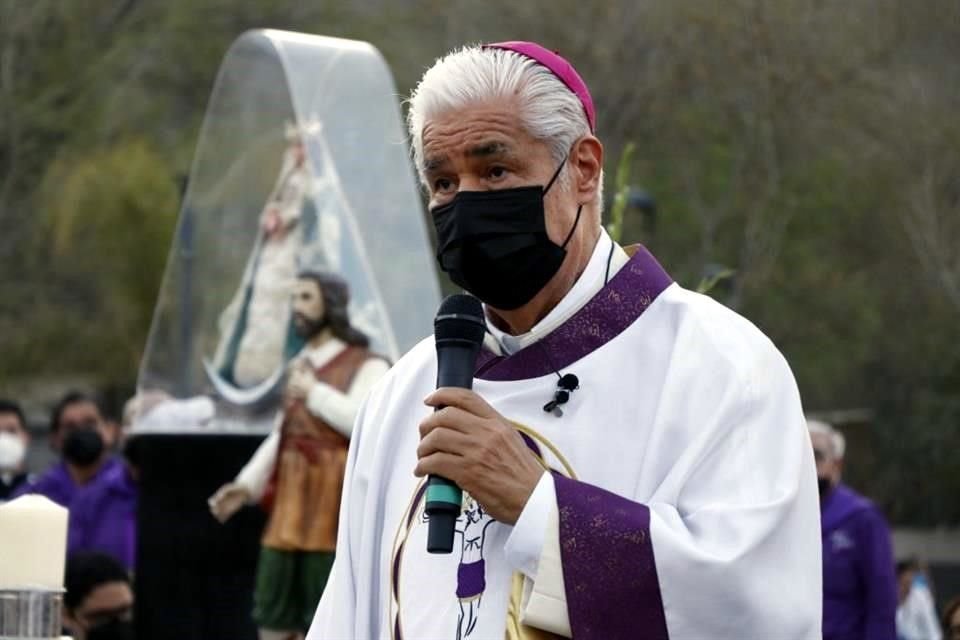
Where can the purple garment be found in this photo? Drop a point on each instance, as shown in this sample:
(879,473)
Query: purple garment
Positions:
(471,579)
(57,485)
(859,582)
(603,318)
(609,573)
(103,516)
(608,566)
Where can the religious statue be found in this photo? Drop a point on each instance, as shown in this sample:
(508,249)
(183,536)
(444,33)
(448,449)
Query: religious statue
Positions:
(257,337)
(297,472)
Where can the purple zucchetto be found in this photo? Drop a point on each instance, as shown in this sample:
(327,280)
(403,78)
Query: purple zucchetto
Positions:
(559,66)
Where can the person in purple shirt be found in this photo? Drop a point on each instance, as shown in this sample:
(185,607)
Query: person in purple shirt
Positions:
(84,438)
(103,514)
(859,581)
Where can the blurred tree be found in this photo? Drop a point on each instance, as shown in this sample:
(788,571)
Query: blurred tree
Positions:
(107,221)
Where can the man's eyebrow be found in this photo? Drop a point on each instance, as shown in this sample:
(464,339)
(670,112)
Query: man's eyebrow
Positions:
(432,163)
(493,148)
(482,150)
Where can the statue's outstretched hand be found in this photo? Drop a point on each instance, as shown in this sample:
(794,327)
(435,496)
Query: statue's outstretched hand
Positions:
(227,500)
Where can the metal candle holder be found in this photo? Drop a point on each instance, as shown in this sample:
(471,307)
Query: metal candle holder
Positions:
(30,614)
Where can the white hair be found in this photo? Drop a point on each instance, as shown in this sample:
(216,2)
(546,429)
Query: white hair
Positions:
(837,442)
(549,111)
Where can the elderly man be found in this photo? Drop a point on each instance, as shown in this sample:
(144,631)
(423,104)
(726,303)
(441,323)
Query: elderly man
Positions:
(673,493)
(859,581)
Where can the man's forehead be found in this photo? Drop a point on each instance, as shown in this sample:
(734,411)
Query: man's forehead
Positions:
(307,285)
(82,408)
(475,130)
(109,595)
(9,419)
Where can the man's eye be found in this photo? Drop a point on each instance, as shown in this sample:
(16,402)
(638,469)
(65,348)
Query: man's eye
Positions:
(497,172)
(441,184)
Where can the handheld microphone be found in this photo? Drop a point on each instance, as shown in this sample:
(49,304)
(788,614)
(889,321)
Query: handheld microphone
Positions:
(458,330)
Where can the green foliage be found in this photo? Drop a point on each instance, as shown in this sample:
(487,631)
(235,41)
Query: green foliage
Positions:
(106,225)
(621,193)
(708,283)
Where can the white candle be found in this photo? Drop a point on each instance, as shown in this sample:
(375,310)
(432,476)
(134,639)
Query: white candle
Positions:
(33,543)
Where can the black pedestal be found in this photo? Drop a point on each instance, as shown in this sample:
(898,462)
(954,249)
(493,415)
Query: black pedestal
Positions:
(194,576)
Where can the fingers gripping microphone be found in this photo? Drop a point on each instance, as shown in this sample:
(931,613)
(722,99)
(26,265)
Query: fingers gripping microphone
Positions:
(458,330)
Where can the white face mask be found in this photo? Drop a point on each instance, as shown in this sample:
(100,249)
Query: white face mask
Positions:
(12,451)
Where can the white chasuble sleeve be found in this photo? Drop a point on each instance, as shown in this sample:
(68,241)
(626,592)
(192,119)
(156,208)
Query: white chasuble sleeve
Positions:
(544,601)
(732,552)
(525,543)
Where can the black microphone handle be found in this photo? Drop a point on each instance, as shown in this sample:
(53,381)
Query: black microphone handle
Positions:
(454,369)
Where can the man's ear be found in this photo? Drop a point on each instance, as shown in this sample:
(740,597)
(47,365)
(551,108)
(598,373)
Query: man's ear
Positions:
(587,159)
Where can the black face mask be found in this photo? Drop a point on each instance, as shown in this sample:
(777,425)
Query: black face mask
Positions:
(116,629)
(823,486)
(495,245)
(82,447)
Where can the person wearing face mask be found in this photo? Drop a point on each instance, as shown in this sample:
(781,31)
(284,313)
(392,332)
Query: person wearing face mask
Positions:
(859,578)
(84,438)
(638,451)
(14,441)
(298,470)
(916,606)
(103,514)
(98,602)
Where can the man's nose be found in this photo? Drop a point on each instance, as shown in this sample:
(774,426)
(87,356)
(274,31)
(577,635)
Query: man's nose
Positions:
(470,183)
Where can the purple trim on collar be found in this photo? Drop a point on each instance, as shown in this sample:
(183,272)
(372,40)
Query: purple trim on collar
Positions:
(609,572)
(603,318)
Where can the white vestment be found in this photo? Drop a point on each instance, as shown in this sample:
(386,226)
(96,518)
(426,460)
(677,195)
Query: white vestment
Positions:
(686,414)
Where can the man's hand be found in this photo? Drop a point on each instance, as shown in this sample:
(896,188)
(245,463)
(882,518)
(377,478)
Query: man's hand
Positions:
(471,444)
(227,500)
(300,381)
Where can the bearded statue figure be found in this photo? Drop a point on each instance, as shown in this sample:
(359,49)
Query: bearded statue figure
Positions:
(297,473)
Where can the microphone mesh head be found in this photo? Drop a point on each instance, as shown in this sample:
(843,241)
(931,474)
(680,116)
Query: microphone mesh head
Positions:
(460,318)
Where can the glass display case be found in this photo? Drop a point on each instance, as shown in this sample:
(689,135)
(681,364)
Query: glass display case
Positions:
(301,163)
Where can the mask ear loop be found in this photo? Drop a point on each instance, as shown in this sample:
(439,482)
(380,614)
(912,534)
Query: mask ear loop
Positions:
(573,228)
(556,174)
